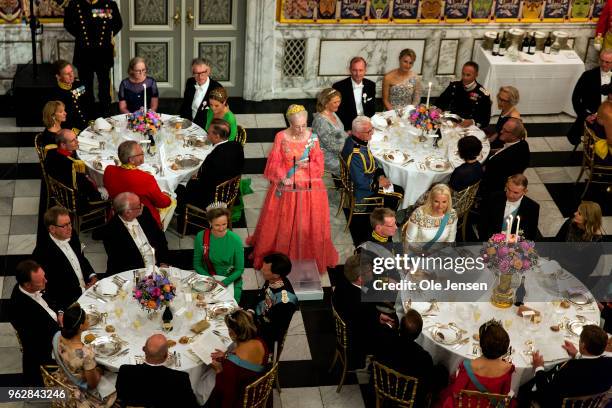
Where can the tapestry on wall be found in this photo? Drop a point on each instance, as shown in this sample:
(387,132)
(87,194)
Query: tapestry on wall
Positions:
(481,10)
(532,10)
(556,10)
(46,10)
(507,10)
(10,11)
(405,10)
(353,10)
(456,11)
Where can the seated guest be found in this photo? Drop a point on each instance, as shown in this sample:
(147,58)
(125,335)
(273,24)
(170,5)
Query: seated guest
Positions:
(54,114)
(603,144)
(401,87)
(217,100)
(64,165)
(467,98)
(77,101)
(219,252)
(127,177)
(223,163)
(435,221)
(77,361)
(380,243)
(368,178)
(60,254)
(584,374)
(488,373)
(402,353)
(470,172)
(244,361)
(132,239)
(498,206)
(131,89)
(511,159)
(134,381)
(197,90)
(584,226)
(507,99)
(357,92)
(329,128)
(276,300)
(33,319)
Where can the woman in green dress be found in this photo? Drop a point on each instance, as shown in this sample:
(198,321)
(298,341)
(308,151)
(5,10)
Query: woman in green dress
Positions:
(219,251)
(217,100)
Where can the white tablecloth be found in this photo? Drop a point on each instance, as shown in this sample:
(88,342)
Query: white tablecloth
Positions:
(169,138)
(545,83)
(415,177)
(202,377)
(470,315)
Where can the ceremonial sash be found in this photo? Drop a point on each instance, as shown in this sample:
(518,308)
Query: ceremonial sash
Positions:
(305,154)
(439,232)
(206,252)
(468,369)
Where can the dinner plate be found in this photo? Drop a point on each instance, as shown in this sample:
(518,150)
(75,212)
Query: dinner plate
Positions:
(222,308)
(437,164)
(575,326)
(186,161)
(579,299)
(396,157)
(179,123)
(203,284)
(106,345)
(106,289)
(445,334)
(94,316)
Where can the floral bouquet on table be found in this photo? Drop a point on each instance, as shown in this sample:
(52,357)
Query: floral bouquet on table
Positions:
(144,123)
(425,118)
(154,291)
(509,255)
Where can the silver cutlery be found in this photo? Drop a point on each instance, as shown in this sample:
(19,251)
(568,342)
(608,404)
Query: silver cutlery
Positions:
(190,276)
(120,354)
(223,338)
(89,295)
(407,163)
(461,343)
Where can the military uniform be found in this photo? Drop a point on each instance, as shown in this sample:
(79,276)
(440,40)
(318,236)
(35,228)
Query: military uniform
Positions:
(93,24)
(472,102)
(276,303)
(78,103)
(365,173)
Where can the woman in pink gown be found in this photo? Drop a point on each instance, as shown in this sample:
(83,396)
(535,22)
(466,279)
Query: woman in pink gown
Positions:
(294,219)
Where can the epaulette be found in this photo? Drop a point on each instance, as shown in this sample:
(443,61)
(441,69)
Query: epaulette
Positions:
(484,91)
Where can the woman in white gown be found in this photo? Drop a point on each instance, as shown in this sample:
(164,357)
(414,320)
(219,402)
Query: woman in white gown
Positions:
(433,222)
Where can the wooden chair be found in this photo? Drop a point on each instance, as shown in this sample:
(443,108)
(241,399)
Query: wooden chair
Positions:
(257,394)
(341,348)
(19,341)
(588,401)
(392,385)
(364,207)
(51,382)
(462,202)
(241,135)
(226,192)
(278,351)
(597,173)
(66,197)
(42,153)
(476,399)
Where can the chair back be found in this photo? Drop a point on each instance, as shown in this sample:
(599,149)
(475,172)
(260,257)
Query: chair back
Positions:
(341,332)
(476,399)
(588,401)
(41,152)
(228,191)
(256,394)
(64,196)
(392,385)
(345,176)
(50,381)
(464,199)
(241,135)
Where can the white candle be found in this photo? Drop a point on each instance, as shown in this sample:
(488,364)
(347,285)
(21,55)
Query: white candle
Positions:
(509,227)
(428,95)
(518,223)
(144,86)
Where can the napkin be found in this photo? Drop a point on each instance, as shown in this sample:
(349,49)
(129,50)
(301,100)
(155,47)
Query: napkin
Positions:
(200,326)
(87,143)
(106,287)
(550,267)
(204,345)
(106,386)
(551,350)
(102,124)
(379,122)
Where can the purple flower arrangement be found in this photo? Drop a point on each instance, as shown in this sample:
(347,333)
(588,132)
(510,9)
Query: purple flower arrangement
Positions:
(425,118)
(509,255)
(154,291)
(144,123)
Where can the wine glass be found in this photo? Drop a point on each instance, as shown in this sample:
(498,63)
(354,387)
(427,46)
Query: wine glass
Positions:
(476,314)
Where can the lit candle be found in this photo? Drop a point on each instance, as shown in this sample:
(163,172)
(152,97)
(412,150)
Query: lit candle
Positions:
(428,95)
(518,223)
(509,227)
(144,86)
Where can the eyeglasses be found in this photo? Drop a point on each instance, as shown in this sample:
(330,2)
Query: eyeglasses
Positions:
(503,100)
(136,155)
(603,61)
(68,224)
(200,73)
(390,226)
(139,71)
(137,208)
(369,131)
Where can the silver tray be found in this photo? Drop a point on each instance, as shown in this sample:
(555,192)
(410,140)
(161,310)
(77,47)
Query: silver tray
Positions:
(575,326)
(179,123)
(106,345)
(222,308)
(203,284)
(187,161)
(446,334)
(391,157)
(437,164)
(580,299)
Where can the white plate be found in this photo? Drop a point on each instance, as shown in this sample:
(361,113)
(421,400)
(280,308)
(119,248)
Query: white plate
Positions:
(445,334)
(437,164)
(575,326)
(106,346)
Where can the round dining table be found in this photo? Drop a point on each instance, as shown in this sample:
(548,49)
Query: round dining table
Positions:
(123,322)
(414,161)
(458,321)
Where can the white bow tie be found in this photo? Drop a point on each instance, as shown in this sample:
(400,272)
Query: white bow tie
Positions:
(358,86)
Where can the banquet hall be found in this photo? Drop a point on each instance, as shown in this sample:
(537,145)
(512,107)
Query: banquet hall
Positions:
(272,59)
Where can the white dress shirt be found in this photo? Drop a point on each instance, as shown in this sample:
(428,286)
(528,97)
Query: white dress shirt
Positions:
(220,143)
(198,97)
(67,250)
(605,79)
(142,242)
(511,207)
(37,297)
(358,95)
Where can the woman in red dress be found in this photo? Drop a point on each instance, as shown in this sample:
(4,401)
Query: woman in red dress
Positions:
(488,373)
(294,219)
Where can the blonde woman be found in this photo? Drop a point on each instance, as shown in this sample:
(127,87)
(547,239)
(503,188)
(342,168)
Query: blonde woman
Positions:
(131,90)
(329,128)
(54,114)
(507,99)
(402,87)
(584,226)
(217,100)
(435,221)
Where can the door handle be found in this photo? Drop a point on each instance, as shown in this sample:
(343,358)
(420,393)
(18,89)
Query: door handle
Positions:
(177,16)
(189,17)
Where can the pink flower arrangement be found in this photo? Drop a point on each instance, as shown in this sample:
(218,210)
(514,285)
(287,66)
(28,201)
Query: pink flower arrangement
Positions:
(154,291)
(425,118)
(519,255)
(144,123)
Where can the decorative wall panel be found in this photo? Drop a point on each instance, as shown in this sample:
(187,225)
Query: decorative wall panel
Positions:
(157,57)
(65,50)
(447,57)
(215,11)
(150,12)
(220,56)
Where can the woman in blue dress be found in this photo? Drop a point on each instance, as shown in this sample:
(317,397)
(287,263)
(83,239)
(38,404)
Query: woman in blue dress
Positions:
(131,89)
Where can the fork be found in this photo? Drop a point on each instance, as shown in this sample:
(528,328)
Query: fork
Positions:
(120,354)
(461,343)
(92,296)
(223,338)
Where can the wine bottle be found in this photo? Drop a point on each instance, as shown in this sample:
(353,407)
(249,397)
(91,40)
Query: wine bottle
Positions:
(151,148)
(167,319)
(496,45)
(547,44)
(525,44)
(503,45)
(532,45)
(519,295)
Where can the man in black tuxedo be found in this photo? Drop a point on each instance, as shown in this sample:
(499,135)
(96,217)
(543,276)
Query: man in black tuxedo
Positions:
(358,93)
(585,374)
(134,381)
(132,239)
(34,320)
(195,97)
(60,254)
(224,162)
(512,158)
(587,96)
(499,205)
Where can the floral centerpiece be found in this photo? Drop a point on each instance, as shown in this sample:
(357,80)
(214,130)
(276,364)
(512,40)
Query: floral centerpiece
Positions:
(144,123)
(426,118)
(154,291)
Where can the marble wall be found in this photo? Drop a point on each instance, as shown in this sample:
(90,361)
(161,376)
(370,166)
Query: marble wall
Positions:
(441,51)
